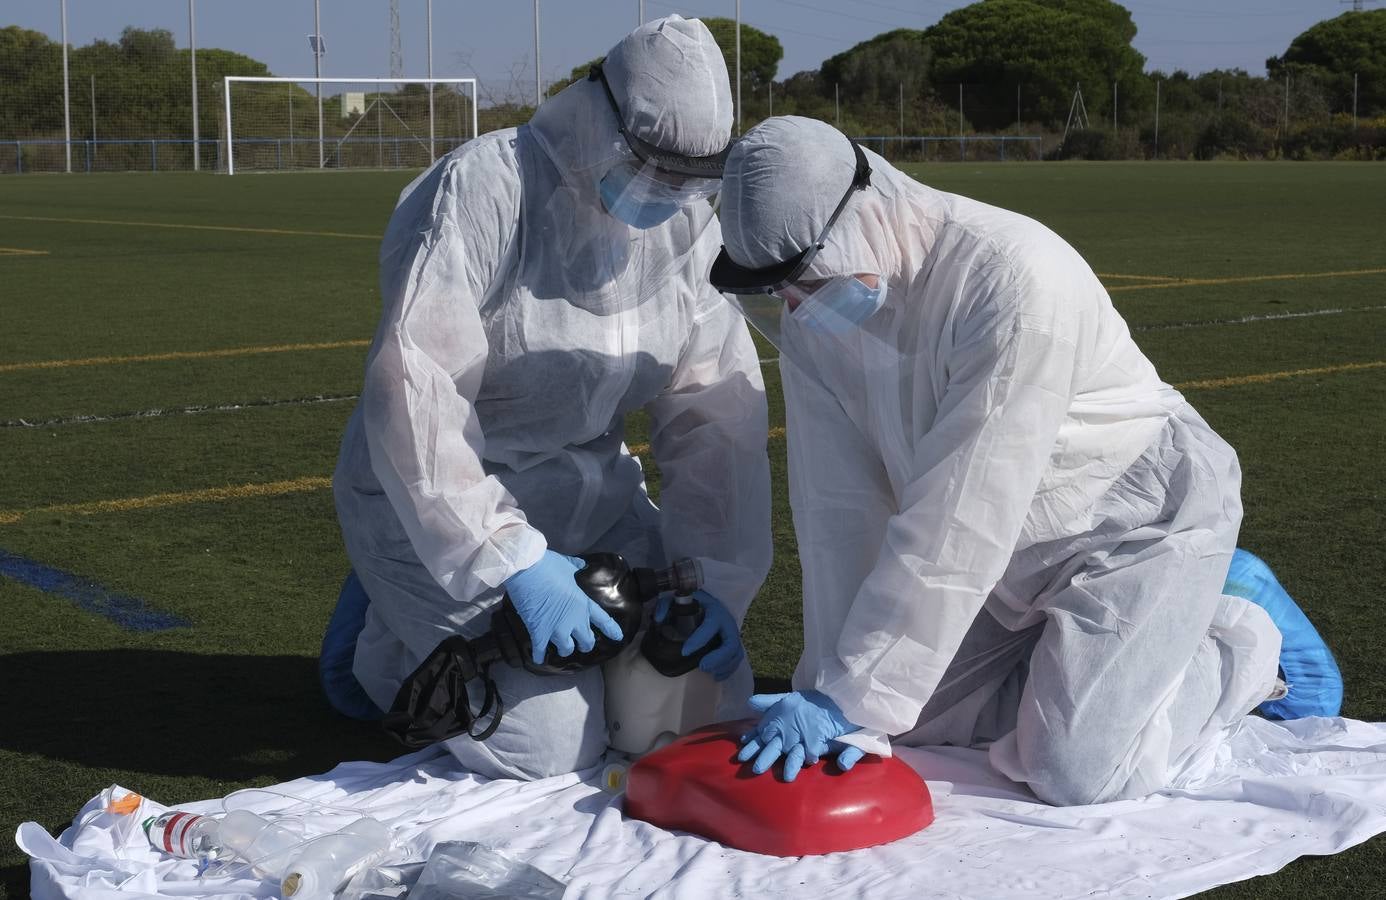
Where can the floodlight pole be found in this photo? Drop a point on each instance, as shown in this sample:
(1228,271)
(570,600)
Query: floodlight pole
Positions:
(770,89)
(67,107)
(192,51)
(738,66)
(642,13)
(432,154)
(837,105)
(538,84)
(1354,101)
(317,72)
(962,143)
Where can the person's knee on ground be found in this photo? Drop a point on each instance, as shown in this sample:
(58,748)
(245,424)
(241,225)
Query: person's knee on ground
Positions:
(1071,768)
(1067,772)
(552,725)
(1231,671)
(339,684)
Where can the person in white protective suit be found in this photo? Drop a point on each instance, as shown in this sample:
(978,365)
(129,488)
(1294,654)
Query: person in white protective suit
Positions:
(1011,530)
(539,285)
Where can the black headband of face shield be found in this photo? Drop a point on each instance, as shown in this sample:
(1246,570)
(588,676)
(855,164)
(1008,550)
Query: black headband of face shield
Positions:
(727,276)
(673,163)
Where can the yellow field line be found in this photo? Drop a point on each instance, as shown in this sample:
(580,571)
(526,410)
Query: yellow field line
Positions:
(210,495)
(1138,277)
(1243,279)
(177,354)
(641,449)
(1264,377)
(20,251)
(239,229)
(180,498)
(314,483)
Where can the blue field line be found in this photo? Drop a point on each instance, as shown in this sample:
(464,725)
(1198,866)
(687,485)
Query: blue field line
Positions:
(129,613)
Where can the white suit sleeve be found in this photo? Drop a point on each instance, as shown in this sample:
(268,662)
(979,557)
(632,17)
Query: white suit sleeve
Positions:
(842,502)
(1009,385)
(708,431)
(444,246)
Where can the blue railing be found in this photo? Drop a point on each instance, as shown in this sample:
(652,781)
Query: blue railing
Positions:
(84,153)
(390,152)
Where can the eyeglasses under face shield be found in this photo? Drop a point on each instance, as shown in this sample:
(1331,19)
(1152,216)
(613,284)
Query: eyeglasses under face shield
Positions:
(661,175)
(731,278)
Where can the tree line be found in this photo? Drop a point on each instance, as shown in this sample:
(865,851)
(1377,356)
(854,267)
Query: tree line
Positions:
(141,85)
(1017,66)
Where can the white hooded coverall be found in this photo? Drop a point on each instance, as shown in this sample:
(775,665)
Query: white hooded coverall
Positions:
(521,324)
(1011,530)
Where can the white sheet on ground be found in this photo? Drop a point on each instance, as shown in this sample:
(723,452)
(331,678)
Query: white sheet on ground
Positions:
(1269,793)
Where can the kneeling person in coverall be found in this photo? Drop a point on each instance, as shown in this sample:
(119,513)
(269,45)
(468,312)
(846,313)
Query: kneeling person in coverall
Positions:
(539,284)
(1012,532)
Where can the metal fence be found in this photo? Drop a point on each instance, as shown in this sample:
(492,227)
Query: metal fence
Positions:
(283,154)
(121,155)
(961,148)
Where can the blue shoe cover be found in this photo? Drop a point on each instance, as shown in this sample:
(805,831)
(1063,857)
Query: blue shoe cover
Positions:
(1314,682)
(343,691)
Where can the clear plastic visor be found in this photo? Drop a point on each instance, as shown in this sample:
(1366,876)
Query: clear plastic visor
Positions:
(781,311)
(645,183)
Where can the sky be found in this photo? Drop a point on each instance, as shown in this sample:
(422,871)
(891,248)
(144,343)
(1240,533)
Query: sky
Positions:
(494,41)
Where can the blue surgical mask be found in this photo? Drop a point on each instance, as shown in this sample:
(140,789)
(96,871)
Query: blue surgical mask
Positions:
(840,305)
(626,205)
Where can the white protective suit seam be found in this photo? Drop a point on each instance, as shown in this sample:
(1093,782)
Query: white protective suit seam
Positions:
(438,240)
(519,521)
(707,299)
(732,332)
(999,254)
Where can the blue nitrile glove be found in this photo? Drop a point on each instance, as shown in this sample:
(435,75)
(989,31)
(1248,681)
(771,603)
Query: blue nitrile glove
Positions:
(801,725)
(554,609)
(717,620)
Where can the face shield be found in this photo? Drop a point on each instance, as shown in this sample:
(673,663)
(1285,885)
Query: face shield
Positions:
(671,81)
(781,296)
(648,185)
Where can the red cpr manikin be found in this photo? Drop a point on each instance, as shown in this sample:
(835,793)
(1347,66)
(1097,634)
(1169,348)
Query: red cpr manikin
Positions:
(695,784)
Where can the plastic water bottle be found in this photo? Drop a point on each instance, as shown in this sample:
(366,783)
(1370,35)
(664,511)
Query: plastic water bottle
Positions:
(327,862)
(185,835)
(266,845)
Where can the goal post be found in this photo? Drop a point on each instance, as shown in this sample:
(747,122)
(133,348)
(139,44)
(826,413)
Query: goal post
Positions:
(283,123)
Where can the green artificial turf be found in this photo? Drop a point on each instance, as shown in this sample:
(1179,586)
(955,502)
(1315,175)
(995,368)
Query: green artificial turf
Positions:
(232,699)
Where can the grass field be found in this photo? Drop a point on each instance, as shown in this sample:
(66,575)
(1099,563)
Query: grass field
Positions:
(179,354)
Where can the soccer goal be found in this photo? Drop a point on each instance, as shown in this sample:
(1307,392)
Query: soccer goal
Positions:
(284,124)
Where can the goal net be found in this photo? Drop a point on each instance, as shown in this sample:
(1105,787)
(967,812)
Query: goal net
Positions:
(283,124)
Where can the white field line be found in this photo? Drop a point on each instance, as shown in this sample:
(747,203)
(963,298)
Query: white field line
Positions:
(1252,319)
(343,398)
(176,411)
(1240,320)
